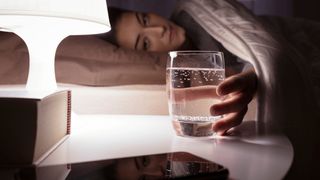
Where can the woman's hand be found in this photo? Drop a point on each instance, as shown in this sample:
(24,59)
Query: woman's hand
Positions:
(238,90)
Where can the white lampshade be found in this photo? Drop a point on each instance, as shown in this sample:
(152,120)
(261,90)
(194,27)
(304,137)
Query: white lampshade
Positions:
(75,16)
(42,24)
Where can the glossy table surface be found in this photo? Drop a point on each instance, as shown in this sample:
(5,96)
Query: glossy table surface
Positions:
(101,137)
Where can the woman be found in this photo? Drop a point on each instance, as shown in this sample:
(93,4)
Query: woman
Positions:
(284,52)
(150,32)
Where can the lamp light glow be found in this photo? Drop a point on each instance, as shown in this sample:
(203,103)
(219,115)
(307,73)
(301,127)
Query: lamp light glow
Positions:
(43,24)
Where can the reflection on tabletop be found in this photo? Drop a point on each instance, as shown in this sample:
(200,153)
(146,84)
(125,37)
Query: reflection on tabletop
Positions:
(159,166)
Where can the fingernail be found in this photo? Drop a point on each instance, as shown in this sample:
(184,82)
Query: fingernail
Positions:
(216,127)
(221,133)
(220,92)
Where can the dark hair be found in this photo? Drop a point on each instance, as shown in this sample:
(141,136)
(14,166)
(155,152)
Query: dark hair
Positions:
(114,16)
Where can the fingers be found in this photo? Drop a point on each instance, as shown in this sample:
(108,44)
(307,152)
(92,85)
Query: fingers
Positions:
(237,83)
(234,103)
(232,84)
(239,91)
(228,121)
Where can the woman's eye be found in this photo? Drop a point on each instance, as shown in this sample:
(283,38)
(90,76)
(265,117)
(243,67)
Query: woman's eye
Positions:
(145,19)
(146,44)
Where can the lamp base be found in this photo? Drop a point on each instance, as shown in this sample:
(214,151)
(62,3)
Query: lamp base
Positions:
(42,49)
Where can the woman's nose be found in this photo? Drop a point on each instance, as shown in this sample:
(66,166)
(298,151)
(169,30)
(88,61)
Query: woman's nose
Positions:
(157,30)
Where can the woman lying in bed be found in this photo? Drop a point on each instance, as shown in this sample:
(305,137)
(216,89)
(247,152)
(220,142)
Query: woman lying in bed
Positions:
(150,32)
(196,25)
(284,52)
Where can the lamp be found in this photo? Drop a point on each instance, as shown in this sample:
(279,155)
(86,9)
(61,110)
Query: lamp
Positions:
(36,120)
(43,24)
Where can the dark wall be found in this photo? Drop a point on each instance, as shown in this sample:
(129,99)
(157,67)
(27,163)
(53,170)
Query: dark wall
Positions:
(165,7)
(273,7)
(297,8)
(307,9)
(161,7)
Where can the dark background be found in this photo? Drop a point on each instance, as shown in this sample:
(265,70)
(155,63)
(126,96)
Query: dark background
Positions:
(292,8)
(309,9)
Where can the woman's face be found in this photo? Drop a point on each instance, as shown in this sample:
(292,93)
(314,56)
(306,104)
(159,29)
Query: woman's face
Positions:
(148,32)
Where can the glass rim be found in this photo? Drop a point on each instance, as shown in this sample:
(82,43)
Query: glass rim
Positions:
(190,52)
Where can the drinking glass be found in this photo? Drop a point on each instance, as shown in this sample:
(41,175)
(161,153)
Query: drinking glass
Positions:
(192,78)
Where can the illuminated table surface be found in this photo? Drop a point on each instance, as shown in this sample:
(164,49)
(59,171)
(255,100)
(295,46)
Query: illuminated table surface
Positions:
(102,137)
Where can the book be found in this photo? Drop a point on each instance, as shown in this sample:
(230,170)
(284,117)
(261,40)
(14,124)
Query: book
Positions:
(33,124)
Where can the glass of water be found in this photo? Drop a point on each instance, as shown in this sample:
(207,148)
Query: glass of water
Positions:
(192,78)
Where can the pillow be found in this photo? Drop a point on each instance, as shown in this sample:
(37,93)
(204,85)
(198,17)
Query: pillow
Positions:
(90,60)
(85,60)
(13,59)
